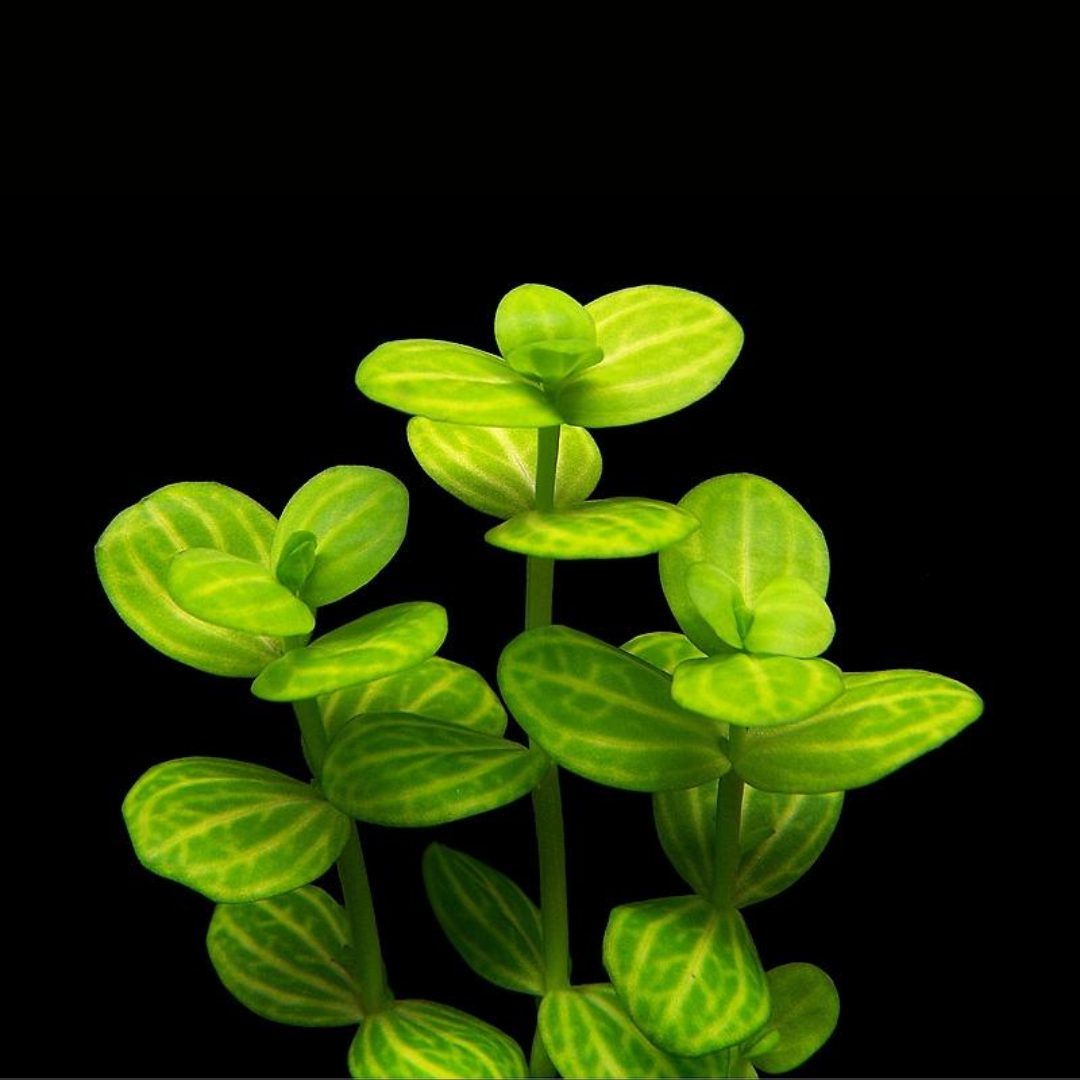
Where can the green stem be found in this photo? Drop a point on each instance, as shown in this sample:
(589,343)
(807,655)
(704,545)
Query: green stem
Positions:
(729,801)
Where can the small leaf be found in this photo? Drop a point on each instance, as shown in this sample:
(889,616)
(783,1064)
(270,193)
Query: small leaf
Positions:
(883,720)
(488,919)
(358,517)
(553,361)
(688,973)
(444,381)
(232,831)
(718,601)
(791,619)
(663,349)
(754,691)
(754,532)
(604,714)
(421,1038)
(236,593)
(283,958)
(805,1008)
(603,529)
(493,469)
(535,313)
(438,689)
(396,769)
(372,647)
(135,552)
(663,649)
(297,560)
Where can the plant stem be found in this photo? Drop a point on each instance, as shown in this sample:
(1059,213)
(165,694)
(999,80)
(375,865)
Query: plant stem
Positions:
(728,820)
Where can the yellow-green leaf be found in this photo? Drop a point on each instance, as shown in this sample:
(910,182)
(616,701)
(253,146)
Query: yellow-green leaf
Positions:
(790,618)
(805,1008)
(663,649)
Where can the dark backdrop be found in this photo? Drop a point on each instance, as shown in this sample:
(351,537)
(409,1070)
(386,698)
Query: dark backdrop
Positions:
(892,350)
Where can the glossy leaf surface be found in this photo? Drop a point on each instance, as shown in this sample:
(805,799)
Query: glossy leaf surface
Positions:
(790,618)
(296,560)
(663,649)
(533,313)
(805,1008)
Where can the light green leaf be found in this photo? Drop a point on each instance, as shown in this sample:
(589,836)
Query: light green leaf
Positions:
(553,361)
(493,469)
(236,593)
(533,313)
(805,1008)
(423,1039)
(751,530)
(663,349)
(687,972)
(444,381)
(297,560)
(358,517)
(883,720)
(719,602)
(232,831)
(372,647)
(605,714)
(791,619)
(133,558)
(284,958)
(488,919)
(438,689)
(603,529)
(396,769)
(663,649)
(754,691)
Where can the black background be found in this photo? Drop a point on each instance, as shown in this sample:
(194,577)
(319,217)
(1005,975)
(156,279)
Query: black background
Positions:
(896,379)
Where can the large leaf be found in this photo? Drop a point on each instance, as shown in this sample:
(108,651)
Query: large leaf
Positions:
(754,532)
(444,381)
(133,559)
(358,517)
(423,1039)
(436,688)
(883,720)
(805,1008)
(237,593)
(663,649)
(285,958)
(688,973)
(605,714)
(396,769)
(663,349)
(375,646)
(232,831)
(493,925)
(604,529)
(493,469)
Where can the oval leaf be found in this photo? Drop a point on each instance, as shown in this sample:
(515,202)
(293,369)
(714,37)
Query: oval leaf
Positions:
(232,831)
(396,769)
(358,517)
(135,552)
(488,919)
(754,532)
(421,1038)
(604,714)
(237,593)
(688,973)
(663,349)
(603,529)
(718,602)
(883,720)
(284,958)
(296,560)
(791,619)
(805,1008)
(756,691)
(493,469)
(438,689)
(663,649)
(444,381)
(379,644)
(534,313)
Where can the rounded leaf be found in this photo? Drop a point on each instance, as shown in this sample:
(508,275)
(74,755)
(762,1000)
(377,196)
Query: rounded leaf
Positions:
(791,619)
(718,601)
(296,560)
(663,649)
(805,1009)
(553,361)
(534,313)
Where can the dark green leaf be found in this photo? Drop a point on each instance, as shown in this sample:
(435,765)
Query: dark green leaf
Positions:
(663,649)
(805,1008)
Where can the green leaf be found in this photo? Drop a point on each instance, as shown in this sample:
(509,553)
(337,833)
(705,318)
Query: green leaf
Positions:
(754,691)
(688,973)
(236,593)
(751,530)
(488,919)
(423,1039)
(284,958)
(805,1008)
(791,619)
(444,381)
(372,647)
(663,649)
(534,313)
(493,469)
(553,361)
(883,720)
(396,769)
(718,601)
(780,838)
(438,689)
(297,560)
(358,517)
(605,714)
(232,831)
(663,349)
(603,529)
(135,552)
